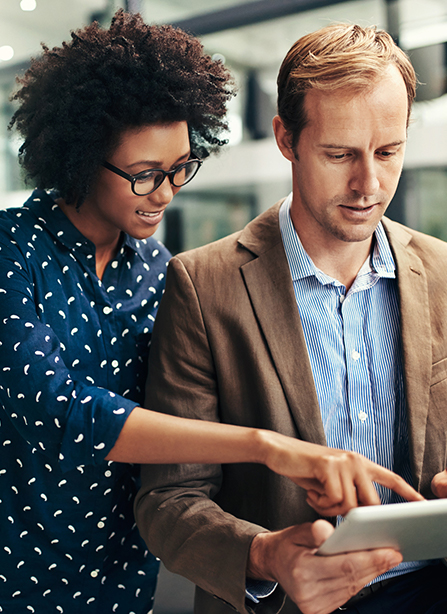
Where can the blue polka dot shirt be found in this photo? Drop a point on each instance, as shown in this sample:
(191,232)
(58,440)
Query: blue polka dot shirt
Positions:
(73,358)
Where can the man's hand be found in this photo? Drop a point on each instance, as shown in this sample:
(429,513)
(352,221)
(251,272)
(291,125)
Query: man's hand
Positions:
(335,480)
(439,484)
(317,584)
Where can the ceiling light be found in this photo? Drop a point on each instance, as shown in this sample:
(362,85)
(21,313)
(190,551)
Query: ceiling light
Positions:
(218,56)
(6,53)
(28,5)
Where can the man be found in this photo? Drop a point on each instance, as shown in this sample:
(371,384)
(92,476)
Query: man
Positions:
(318,320)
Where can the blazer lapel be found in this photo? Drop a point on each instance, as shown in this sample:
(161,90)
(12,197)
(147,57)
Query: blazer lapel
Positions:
(269,285)
(270,288)
(416,339)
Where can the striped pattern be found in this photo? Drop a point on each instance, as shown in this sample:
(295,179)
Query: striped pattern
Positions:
(353,342)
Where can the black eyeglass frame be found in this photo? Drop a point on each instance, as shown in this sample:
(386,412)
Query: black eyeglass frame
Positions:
(170,174)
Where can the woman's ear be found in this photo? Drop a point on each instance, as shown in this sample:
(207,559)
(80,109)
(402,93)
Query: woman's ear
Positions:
(283,139)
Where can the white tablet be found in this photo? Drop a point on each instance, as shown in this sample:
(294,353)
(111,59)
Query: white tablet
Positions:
(417,529)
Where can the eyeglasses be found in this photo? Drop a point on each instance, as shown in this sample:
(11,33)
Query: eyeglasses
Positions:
(146,182)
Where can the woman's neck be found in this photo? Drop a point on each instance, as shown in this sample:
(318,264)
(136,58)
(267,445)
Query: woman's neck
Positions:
(105,242)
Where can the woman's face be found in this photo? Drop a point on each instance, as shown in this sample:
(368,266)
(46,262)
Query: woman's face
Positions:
(111,206)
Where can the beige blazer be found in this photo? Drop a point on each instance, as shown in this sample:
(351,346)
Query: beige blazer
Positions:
(228,345)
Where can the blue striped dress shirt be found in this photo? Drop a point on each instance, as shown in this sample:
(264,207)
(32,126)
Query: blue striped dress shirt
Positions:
(353,342)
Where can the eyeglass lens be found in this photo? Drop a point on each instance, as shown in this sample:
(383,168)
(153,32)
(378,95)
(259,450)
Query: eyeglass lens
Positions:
(149,181)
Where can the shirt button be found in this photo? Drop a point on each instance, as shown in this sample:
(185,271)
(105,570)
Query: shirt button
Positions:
(108,474)
(107,310)
(115,364)
(100,525)
(342,298)
(94,573)
(362,416)
(355,355)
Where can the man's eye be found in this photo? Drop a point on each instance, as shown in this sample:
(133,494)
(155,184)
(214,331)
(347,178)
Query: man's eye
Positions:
(339,156)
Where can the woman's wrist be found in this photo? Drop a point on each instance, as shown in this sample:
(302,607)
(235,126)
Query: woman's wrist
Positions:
(264,446)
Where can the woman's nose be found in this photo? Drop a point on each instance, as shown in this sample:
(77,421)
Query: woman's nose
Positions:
(164,193)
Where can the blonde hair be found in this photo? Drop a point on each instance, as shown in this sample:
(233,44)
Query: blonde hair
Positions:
(337,56)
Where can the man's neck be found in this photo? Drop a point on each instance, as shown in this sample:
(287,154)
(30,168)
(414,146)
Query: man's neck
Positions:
(340,260)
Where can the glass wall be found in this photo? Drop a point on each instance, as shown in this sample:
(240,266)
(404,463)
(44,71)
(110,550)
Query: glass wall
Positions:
(10,174)
(426,201)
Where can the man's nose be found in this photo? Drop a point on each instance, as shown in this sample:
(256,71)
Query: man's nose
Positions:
(365,179)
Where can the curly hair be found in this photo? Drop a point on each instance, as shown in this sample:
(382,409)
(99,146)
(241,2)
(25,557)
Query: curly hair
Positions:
(76,100)
(337,56)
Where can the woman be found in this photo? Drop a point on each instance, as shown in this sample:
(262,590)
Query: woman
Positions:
(114,123)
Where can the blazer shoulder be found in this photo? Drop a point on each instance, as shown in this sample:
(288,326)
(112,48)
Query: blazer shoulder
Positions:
(430,250)
(258,236)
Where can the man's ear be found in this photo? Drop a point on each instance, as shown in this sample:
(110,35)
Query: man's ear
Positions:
(283,139)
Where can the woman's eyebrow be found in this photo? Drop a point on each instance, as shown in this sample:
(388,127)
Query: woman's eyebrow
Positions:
(159,163)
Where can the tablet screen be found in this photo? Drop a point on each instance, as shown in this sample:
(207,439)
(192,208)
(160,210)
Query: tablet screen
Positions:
(417,529)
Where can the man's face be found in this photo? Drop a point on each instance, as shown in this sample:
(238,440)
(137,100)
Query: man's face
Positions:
(348,160)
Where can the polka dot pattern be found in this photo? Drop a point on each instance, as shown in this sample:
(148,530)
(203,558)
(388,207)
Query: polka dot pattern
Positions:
(73,358)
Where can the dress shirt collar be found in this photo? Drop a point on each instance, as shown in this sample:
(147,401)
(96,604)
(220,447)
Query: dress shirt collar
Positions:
(301,265)
(49,215)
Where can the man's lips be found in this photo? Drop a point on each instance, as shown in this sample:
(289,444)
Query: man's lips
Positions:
(359,207)
(358,210)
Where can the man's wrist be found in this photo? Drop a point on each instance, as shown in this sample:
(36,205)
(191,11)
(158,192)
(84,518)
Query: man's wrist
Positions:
(259,558)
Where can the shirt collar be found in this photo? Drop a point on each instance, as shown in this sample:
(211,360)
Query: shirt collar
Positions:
(301,265)
(50,216)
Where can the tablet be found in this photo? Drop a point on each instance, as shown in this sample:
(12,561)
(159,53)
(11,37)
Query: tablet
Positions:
(417,529)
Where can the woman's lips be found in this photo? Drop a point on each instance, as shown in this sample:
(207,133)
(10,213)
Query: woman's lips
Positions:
(151,217)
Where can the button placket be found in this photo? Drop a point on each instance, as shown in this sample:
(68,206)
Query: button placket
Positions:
(358,378)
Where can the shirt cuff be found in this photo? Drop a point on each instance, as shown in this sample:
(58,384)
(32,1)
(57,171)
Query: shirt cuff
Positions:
(259,589)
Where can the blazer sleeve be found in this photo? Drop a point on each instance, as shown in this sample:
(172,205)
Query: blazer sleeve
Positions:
(174,510)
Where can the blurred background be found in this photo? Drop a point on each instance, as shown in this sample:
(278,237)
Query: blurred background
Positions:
(251,37)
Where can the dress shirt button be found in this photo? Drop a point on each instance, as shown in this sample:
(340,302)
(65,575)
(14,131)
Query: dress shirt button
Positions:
(100,525)
(108,473)
(115,364)
(355,355)
(342,298)
(107,310)
(362,416)
(94,573)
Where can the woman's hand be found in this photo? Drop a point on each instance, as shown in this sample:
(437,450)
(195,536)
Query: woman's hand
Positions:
(335,480)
